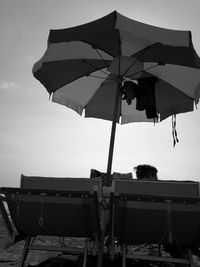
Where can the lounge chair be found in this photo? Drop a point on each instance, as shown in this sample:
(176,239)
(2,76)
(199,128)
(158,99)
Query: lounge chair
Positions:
(62,207)
(162,213)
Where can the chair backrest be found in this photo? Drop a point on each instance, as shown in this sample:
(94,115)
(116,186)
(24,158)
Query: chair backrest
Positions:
(67,184)
(156,212)
(53,212)
(178,189)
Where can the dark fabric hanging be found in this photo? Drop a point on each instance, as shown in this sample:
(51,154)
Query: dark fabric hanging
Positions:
(144,92)
(174,132)
(146,97)
(129,91)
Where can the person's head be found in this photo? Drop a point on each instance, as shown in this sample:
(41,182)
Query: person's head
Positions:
(146,172)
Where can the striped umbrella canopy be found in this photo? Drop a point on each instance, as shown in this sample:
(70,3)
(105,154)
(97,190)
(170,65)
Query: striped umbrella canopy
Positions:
(141,72)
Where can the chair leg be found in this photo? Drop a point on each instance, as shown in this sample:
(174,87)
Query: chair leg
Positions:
(101,250)
(95,246)
(112,246)
(85,254)
(123,255)
(102,238)
(25,251)
(112,249)
(190,258)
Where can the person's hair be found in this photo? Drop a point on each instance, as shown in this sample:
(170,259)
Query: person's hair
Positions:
(146,172)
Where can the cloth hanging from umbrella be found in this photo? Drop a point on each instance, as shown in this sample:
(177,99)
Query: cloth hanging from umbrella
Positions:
(122,70)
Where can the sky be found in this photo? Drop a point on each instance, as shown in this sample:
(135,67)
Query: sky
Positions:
(38,137)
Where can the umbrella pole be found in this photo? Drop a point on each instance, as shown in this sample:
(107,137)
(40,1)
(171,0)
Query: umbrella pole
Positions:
(109,167)
(112,137)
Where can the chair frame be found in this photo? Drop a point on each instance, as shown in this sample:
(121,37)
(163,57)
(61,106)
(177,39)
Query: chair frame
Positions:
(115,197)
(29,239)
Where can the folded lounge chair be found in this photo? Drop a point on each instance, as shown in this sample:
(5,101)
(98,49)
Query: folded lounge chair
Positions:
(156,212)
(63,207)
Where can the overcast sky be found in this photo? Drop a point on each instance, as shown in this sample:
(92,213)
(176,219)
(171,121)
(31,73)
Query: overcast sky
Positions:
(38,137)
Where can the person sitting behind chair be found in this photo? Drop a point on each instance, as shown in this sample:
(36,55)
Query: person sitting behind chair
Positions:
(146,172)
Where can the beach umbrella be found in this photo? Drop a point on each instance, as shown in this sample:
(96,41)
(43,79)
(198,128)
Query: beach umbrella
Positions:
(141,72)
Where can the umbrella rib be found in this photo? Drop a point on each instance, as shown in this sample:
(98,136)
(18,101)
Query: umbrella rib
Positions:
(107,79)
(104,61)
(170,85)
(137,58)
(143,70)
(130,67)
(84,61)
(151,67)
(175,88)
(101,56)
(103,78)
